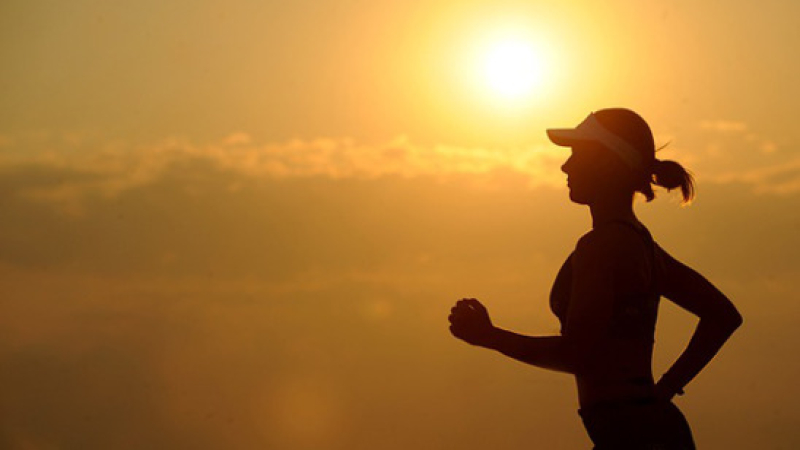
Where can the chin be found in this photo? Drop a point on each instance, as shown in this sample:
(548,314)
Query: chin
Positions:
(577,198)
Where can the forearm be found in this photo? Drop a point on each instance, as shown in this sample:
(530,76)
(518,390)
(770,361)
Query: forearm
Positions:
(706,341)
(548,352)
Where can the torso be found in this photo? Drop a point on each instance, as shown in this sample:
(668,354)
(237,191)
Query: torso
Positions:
(621,364)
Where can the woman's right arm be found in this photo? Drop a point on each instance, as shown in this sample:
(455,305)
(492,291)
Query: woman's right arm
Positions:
(718,320)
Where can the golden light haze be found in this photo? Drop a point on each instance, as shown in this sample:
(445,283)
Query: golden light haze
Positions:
(242,224)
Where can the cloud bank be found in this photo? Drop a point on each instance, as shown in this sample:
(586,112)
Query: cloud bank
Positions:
(64,169)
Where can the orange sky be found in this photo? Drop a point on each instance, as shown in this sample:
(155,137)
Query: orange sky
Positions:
(242,224)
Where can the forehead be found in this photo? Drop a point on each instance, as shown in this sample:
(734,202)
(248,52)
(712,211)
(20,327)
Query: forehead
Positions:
(580,147)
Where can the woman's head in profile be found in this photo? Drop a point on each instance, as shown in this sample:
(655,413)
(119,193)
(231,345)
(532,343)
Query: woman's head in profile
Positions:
(613,157)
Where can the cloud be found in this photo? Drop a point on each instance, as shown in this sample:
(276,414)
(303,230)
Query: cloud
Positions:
(81,167)
(779,179)
(732,152)
(724,126)
(768,147)
(64,170)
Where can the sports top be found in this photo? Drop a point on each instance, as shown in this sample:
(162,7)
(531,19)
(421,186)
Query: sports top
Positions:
(633,316)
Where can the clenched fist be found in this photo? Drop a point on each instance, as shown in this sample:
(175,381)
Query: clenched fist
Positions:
(470,322)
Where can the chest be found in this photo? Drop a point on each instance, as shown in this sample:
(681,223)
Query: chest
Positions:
(634,310)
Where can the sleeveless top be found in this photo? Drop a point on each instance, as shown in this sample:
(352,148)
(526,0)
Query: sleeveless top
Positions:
(633,315)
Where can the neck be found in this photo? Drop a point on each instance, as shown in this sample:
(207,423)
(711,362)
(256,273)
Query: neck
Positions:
(609,210)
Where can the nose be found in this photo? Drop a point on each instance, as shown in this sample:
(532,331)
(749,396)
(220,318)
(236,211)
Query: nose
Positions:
(566,165)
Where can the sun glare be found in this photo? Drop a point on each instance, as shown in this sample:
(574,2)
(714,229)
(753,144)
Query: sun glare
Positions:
(512,69)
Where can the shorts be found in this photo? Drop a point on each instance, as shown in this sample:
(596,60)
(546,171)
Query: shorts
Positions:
(645,424)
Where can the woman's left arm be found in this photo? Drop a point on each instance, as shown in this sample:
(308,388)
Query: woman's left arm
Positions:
(719,318)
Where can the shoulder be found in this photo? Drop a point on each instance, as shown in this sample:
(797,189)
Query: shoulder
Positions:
(615,252)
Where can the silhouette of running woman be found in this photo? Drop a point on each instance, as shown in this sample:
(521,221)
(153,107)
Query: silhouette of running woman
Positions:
(607,292)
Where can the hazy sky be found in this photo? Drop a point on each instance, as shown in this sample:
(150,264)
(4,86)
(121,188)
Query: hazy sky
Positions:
(242,224)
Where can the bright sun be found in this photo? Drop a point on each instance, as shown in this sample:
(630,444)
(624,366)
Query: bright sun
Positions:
(512,69)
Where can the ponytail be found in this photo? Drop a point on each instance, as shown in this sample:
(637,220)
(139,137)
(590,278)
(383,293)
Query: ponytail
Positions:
(671,175)
(631,129)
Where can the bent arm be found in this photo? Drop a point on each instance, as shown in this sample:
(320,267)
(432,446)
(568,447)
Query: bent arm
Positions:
(547,352)
(718,320)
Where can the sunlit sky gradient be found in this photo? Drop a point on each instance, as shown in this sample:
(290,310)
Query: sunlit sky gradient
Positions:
(242,224)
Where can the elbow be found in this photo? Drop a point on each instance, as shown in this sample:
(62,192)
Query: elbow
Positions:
(732,319)
(736,320)
(729,321)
